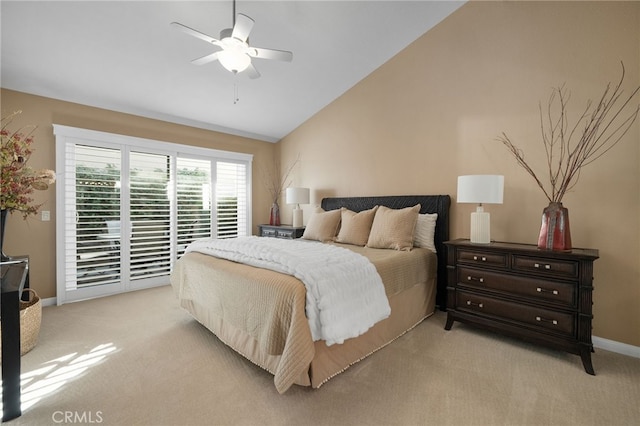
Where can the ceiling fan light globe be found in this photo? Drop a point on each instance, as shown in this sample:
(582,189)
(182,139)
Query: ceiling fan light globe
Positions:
(234,61)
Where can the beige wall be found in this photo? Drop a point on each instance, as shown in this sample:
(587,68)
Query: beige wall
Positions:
(434,111)
(37,238)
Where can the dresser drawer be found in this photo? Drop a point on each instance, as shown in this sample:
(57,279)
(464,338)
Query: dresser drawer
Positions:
(284,233)
(482,258)
(267,232)
(564,268)
(559,322)
(535,289)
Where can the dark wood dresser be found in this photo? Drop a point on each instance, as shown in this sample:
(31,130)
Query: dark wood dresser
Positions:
(540,296)
(280,231)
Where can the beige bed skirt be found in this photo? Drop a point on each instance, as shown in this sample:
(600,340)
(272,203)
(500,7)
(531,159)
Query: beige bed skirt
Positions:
(408,309)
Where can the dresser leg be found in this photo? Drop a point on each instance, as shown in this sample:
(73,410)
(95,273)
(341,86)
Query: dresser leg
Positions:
(449,322)
(585,355)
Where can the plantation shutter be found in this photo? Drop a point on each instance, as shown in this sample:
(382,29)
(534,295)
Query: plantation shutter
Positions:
(231,198)
(149,215)
(193,191)
(92,207)
(128,207)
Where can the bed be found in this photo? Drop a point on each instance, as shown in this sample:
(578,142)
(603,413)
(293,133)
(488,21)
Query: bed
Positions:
(260,313)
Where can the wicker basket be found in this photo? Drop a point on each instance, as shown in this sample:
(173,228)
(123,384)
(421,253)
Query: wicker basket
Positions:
(30,319)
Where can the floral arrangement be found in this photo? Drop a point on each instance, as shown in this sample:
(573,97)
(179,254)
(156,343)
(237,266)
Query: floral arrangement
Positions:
(17,180)
(599,129)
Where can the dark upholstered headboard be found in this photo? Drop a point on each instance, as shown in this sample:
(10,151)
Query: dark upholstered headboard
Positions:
(429,204)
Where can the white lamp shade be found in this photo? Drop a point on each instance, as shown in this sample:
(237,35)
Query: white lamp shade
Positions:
(480,189)
(297,195)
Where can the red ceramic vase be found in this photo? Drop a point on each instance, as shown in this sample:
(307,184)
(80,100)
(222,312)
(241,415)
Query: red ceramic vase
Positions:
(554,232)
(274,217)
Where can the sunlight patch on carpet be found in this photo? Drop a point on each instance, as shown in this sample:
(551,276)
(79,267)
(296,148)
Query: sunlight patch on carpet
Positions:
(53,375)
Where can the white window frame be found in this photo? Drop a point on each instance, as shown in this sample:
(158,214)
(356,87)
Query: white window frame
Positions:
(72,135)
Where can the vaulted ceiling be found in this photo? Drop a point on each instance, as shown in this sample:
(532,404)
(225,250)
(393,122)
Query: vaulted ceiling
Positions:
(125,56)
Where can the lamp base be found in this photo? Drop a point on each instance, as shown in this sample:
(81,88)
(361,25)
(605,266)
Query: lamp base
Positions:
(480,226)
(297,218)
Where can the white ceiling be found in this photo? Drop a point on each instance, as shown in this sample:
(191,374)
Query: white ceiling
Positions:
(124,56)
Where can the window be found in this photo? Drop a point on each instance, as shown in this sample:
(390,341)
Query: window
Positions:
(128,208)
(193,190)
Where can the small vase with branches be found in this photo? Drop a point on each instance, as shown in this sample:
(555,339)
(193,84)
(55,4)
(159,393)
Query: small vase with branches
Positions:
(570,148)
(275,184)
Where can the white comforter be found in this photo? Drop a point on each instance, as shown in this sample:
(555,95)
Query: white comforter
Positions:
(345,295)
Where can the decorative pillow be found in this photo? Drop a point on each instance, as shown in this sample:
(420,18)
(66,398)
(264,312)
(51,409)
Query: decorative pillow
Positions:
(394,229)
(426,231)
(322,225)
(355,227)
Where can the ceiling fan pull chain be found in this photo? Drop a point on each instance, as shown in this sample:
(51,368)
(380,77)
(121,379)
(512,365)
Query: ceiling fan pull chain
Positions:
(236,97)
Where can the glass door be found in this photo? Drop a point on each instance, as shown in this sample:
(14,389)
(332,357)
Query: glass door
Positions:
(97,213)
(127,208)
(193,192)
(149,242)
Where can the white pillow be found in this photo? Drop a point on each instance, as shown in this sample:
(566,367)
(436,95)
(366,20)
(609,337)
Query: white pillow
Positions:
(425,231)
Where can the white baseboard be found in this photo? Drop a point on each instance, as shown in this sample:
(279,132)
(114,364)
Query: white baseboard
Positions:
(617,347)
(49,301)
(598,342)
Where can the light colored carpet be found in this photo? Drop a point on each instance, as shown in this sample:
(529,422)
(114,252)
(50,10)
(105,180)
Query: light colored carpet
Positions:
(138,359)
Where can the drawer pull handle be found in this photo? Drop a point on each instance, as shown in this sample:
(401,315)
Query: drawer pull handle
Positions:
(470,278)
(539,319)
(484,259)
(544,290)
(537,265)
(470,303)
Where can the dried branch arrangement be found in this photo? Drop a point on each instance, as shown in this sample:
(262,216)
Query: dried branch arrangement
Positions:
(275,182)
(599,129)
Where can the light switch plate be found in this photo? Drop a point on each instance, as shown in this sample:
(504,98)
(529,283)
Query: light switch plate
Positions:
(46,215)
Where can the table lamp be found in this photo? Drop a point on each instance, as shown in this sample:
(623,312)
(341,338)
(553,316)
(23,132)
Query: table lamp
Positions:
(480,189)
(297,196)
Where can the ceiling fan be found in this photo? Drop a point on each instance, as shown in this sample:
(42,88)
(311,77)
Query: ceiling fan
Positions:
(236,52)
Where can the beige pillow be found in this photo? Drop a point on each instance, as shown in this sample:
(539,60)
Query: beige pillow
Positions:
(394,229)
(426,231)
(322,225)
(355,227)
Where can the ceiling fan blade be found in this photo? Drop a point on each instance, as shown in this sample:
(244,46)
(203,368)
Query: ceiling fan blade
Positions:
(242,27)
(195,33)
(206,59)
(252,72)
(278,55)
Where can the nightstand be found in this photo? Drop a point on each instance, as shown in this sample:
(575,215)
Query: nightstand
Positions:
(540,296)
(280,231)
